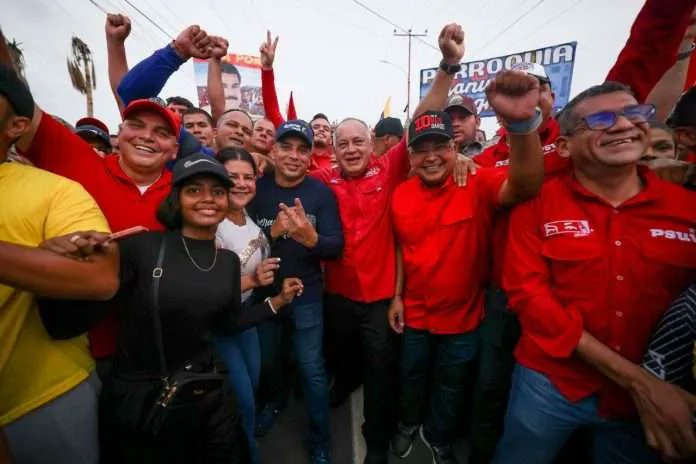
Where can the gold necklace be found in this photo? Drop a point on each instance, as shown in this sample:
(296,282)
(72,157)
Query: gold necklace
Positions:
(193,261)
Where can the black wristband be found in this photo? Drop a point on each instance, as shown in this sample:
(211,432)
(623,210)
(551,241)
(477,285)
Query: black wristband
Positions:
(450,69)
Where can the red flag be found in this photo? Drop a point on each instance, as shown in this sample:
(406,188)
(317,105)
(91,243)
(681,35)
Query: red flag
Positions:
(292,113)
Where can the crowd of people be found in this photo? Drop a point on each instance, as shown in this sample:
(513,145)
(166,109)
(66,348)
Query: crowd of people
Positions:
(165,289)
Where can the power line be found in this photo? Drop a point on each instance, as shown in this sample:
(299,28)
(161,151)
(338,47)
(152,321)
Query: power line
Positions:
(509,26)
(98,6)
(148,18)
(388,21)
(551,19)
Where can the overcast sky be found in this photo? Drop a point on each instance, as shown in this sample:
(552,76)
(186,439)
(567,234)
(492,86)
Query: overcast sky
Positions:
(329,52)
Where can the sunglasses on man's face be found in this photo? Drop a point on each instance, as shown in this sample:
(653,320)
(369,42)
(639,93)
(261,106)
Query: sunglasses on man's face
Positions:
(603,120)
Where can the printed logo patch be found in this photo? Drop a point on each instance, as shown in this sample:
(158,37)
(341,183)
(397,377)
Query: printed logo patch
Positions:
(683,236)
(579,228)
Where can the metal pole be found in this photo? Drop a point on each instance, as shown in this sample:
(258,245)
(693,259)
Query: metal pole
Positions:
(410,35)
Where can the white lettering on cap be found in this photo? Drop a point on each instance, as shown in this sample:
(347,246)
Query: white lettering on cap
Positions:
(188,164)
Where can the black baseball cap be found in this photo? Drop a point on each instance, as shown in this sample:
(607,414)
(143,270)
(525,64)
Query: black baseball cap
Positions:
(389,126)
(430,123)
(198,164)
(16,92)
(684,112)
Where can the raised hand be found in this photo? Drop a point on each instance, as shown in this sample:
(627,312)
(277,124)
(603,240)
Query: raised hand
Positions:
(117,27)
(193,42)
(218,46)
(451,42)
(267,50)
(514,96)
(265,271)
(281,225)
(300,228)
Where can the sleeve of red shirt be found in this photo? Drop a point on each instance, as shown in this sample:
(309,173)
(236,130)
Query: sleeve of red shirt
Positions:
(555,329)
(489,181)
(652,46)
(486,158)
(399,165)
(270,98)
(56,149)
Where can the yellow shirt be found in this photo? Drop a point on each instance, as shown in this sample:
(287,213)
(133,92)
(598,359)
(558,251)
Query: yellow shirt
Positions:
(36,205)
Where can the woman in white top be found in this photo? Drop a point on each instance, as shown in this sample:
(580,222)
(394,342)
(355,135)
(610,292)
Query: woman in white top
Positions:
(240,234)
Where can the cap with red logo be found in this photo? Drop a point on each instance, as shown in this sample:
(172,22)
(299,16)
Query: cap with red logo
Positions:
(462,101)
(156,105)
(430,123)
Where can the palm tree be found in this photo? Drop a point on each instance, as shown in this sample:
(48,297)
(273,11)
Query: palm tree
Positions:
(81,70)
(17,56)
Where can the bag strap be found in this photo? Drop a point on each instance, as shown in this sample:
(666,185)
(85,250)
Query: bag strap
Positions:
(157,273)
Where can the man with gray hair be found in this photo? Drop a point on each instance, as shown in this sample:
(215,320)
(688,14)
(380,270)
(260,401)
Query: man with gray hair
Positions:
(360,285)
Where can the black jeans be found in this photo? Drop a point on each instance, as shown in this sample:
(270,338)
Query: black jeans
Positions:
(379,347)
(500,332)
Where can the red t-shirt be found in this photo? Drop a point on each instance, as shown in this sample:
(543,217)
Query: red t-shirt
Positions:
(321,160)
(444,234)
(366,271)
(574,262)
(498,156)
(58,150)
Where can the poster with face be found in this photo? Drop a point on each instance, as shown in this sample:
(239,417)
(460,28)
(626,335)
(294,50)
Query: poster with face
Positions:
(241,83)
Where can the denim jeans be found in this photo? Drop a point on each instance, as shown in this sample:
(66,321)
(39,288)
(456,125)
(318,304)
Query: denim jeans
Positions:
(435,372)
(307,343)
(539,420)
(242,356)
(500,332)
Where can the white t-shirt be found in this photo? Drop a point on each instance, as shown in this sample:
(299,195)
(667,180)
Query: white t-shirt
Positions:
(248,241)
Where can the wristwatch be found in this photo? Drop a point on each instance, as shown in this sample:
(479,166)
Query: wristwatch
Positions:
(686,53)
(450,68)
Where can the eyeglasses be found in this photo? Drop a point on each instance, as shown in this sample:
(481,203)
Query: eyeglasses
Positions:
(603,120)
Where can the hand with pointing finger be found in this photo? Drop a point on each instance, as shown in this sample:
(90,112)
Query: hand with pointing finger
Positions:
(300,228)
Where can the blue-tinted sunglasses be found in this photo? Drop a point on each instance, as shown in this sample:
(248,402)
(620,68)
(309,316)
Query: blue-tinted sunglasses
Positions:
(603,120)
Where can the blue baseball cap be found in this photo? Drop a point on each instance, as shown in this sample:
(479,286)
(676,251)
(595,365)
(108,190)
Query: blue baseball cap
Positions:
(296,127)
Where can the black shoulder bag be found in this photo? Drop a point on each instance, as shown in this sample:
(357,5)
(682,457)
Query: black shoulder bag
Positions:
(170,405)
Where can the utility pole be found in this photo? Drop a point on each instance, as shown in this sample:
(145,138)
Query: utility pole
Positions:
(409,34)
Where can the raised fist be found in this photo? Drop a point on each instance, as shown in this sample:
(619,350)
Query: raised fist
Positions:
(117,27)
(451,42)
(219,47)
(193,42)
(514,96)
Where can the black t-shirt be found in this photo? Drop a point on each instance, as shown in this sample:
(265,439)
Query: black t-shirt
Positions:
(192,304)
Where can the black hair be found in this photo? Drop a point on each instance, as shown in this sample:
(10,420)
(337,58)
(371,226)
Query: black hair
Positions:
(569,121)
(319,116)
(229,68)
(169,211)
(195,110)
(180,101)
(684,112)
(236,154)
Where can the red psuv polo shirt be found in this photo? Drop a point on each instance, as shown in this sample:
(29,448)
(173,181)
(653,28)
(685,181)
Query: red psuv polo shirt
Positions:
(444,234)
(574,262)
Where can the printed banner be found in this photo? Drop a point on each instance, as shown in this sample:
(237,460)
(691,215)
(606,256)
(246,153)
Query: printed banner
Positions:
(241,82)
(472,80)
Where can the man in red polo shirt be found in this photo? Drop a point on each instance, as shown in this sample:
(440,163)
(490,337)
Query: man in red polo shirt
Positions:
(360,284)
(443,234)
(591,265)
(127,186)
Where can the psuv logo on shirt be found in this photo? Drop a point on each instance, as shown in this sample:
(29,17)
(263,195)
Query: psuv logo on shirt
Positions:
(373,172)
(546,149)
(578,228)
(684,236)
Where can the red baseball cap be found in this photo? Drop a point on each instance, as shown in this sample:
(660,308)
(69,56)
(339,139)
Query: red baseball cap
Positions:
(156,105)
(88,121)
